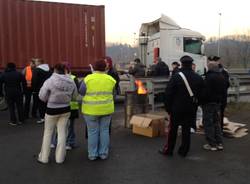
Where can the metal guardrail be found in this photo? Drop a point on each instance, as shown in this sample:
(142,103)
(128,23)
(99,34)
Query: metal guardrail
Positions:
(239,87)
(155,86)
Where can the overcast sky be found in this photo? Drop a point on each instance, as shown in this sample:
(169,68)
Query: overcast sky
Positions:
(124,17)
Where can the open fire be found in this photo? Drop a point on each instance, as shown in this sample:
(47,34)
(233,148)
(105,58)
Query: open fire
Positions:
(136,102)
(140,87)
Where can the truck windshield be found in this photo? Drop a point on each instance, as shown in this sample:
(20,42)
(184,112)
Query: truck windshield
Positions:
(192,45)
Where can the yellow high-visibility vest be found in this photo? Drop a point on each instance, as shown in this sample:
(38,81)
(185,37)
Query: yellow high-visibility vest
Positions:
(73,104)
(98,99)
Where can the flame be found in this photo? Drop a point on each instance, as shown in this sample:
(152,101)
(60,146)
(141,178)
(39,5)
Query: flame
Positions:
(140,88)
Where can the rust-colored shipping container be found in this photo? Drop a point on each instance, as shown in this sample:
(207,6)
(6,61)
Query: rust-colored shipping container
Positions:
(52,31)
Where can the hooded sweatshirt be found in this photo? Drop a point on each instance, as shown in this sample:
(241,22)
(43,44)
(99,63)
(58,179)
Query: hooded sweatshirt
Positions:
(40,74)
(58,91)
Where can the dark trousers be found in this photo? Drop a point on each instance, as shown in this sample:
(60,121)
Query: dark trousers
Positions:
(40,105)
(71,138)
(172,136)
(15,101)
(28,95)
(42,108)
(35,104)
(193,125)
(222,109)
(211,121)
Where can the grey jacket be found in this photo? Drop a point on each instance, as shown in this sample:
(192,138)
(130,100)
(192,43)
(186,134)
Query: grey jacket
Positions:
(58,91)
(138,70)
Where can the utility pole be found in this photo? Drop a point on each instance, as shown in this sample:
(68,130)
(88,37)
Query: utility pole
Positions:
(218,52)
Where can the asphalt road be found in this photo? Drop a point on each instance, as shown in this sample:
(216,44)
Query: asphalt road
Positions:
(133,159)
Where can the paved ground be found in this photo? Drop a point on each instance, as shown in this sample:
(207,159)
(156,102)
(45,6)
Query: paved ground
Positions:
(133,159)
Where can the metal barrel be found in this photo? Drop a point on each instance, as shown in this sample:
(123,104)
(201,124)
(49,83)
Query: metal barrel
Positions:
(134,104)
(129,98)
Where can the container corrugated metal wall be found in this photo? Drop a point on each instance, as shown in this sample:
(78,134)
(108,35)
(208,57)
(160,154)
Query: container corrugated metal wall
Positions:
(52,31)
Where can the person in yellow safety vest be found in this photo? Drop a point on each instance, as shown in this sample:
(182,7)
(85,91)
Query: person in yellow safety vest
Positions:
(28,73)
(97,108)
(74,114)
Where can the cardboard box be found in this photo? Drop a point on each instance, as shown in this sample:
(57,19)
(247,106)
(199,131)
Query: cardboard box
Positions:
(149,125)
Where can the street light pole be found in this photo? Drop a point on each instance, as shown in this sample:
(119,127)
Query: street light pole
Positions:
(134,39)
(218,52)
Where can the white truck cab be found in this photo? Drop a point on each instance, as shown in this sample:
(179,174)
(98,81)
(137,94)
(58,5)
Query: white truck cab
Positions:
(166,39)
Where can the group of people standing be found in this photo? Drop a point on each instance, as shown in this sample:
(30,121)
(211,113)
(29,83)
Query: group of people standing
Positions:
(158,69)
(60,92)
(26,83)
(55,94)
(186,91)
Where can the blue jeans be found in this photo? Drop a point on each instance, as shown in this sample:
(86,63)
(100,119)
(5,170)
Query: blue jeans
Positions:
(71,137)
(98,135)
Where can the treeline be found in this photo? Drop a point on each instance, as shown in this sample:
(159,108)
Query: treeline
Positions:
(234,50)
(121,53)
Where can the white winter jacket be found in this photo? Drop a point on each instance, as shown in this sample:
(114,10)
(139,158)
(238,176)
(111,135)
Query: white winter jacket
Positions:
(58,91)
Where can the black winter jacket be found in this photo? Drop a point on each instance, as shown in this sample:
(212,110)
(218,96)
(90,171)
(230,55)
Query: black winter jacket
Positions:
(214,87)
(40,74)
(138,70)
(176,70)
(161,69)
(115,75)
(13,81)
(178,101)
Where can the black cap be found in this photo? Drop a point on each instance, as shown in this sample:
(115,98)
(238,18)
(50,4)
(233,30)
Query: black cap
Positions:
(213,58)
(216,58)
(175,63)
(137,60)
(186,60)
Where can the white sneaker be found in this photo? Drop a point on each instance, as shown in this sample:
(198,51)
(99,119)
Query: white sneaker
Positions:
(12,123)
(220,147)
(103,157)
(20,123)
(40,121)
(52,146)
(209,147)
(68,148)
(192,130)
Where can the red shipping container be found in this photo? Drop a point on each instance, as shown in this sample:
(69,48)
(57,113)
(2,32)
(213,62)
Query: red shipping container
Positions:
(53,31)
